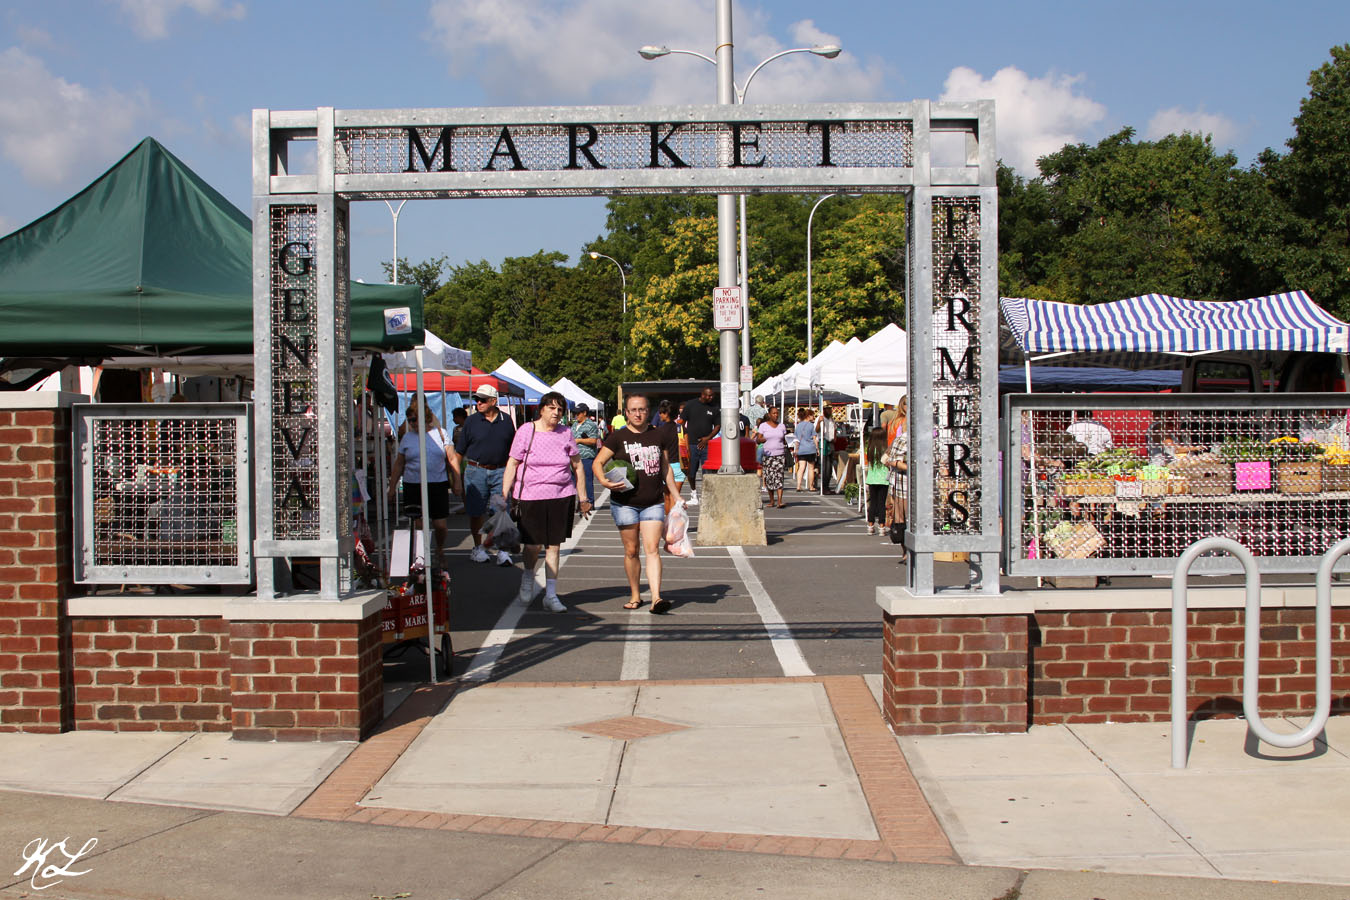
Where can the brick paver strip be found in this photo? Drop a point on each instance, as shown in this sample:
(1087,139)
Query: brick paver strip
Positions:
(909,831)
(903,817)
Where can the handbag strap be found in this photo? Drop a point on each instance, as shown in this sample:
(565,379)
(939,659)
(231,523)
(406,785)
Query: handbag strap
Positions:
(524,463)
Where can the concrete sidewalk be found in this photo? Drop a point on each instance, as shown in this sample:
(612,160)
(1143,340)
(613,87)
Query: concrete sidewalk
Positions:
(636,788)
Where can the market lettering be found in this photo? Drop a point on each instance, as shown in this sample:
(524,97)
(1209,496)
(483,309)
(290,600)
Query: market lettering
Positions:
(296,447)
(824,141)
(958,510)
(415,143)
(737,143)
(295,491)
(573,148)
(504,138)
(585,140)
(300,351)
(290,256)
(661,146)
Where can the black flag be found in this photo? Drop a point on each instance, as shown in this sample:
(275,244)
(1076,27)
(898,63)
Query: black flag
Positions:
(381,385)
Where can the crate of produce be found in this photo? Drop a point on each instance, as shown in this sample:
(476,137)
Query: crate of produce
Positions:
(1209,478)
(1074,540)
(1177,485)
(1335,477)
(1299,477)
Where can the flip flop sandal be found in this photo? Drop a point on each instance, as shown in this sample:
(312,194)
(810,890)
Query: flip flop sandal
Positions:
(660,607)
(633,604)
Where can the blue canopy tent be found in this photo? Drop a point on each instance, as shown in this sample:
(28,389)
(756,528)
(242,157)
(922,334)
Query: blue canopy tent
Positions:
(1153,330)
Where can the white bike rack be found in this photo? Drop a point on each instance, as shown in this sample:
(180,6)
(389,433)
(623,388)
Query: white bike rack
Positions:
(1251,646)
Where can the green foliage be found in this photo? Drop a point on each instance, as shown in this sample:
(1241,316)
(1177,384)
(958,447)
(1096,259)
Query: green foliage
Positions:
(426,274)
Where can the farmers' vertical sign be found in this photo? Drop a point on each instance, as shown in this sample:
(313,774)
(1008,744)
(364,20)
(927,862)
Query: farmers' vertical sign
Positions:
(956,370)
(295,372)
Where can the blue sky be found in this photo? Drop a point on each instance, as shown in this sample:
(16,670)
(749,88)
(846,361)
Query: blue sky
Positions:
(81,81)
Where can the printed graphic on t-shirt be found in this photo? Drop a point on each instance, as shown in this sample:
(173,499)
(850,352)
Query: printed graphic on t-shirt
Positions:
(645,458)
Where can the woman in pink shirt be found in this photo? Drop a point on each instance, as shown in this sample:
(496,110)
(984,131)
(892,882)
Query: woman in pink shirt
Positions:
(773,435)
(544,470)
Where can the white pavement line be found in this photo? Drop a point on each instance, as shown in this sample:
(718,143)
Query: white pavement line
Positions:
(637,647)
(780,636)
(480,667)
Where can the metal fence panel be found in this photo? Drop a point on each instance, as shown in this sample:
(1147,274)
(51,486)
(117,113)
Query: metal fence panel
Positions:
(1114,485)
(163,493)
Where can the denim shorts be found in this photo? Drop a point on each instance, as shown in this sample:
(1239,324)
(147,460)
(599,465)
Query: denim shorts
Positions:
(631,515)
(480,486)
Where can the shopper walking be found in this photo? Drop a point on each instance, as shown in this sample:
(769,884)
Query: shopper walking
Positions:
(702,422)
(877,477)
(806,449)
(484,442)
(587,434)
(639,512)
(544,474)
(897,460)
(443,471)
(771,436)
(825,432)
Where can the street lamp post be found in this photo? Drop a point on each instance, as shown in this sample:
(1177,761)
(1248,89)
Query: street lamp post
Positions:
(624,288)
(394,211)
(810,337)
(828,51)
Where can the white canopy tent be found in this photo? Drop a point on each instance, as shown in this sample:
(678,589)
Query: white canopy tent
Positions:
(574,394)
(881,371)
(436,355)
(522,376)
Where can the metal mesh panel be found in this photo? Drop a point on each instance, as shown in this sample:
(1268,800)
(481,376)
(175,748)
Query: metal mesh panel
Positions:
(700,145)
(1122,481)
(295,471)
(342,323)
(956,369)
(161,494)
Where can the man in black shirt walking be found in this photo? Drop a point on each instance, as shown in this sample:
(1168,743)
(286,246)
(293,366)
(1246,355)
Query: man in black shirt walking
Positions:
(702,422)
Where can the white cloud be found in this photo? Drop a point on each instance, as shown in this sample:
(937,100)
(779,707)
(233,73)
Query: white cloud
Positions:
(48,125)
(32,36)
(585,51)
(1196,121)
(150,18)
(1033,116)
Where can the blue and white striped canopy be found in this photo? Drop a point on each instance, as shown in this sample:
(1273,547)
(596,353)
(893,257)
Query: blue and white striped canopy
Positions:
(1156,323)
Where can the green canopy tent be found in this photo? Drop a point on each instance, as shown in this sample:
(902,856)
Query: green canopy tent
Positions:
(149,258)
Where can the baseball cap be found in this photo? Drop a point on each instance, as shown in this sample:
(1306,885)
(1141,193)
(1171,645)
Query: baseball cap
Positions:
(485,392)
(582,407)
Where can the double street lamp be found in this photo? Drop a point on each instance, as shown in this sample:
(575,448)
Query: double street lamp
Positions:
(828,51)
(624,290)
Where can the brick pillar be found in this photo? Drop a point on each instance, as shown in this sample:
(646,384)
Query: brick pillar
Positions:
(36,573)
(306,681)
(955,674)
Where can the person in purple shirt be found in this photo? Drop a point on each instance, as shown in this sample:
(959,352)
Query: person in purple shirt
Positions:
(544,473)
(772,438)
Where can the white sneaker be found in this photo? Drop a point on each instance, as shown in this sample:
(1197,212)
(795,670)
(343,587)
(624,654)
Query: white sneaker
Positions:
(693,499)
(553,604)
(478,554)
(503,558)
(527,589)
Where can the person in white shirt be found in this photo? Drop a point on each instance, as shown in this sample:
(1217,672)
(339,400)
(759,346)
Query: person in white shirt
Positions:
(1092,434)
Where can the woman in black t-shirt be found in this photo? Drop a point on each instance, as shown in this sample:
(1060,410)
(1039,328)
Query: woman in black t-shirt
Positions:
(640,511)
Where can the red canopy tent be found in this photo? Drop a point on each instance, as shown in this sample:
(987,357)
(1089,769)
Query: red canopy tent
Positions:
(434,382)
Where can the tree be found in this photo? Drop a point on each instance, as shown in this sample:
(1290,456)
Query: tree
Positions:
(426,274)
(1312,183)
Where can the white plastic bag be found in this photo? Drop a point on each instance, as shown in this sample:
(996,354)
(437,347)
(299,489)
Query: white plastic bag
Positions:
(500,531)
(677,531)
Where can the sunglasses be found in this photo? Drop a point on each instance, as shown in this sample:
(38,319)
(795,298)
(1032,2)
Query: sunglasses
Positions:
(482,399)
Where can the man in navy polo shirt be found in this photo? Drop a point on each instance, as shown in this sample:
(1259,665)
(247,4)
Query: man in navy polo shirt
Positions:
(483,443)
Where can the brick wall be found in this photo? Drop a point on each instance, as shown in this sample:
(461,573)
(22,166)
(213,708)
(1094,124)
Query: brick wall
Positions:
(151,674)
(35,569)
(1114,666)
(955,674)
(306,681)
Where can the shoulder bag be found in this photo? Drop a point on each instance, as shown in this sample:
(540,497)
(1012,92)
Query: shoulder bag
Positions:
(514,506)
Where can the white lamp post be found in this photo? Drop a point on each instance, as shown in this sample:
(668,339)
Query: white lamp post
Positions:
(394,211)
(828,51)
(624,288)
